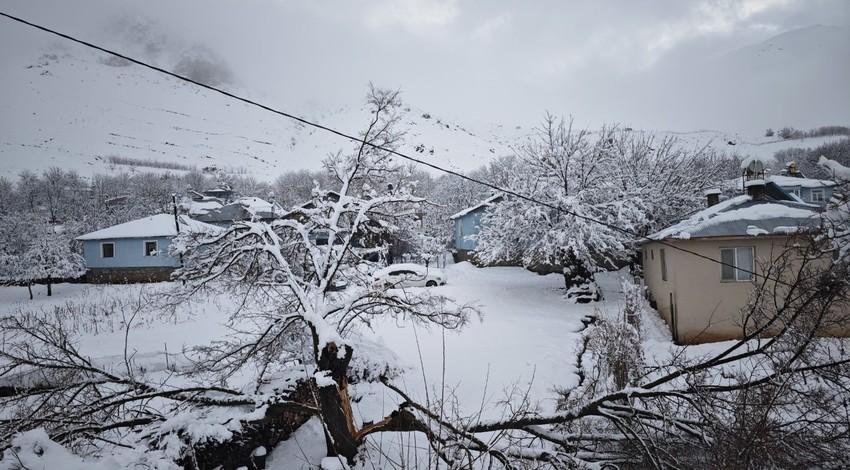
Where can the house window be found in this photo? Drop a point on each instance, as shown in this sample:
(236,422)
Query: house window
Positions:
(796,192)
(652,254)
(663,257)
(738,263)
(151,248)
(817,195)
(107,250)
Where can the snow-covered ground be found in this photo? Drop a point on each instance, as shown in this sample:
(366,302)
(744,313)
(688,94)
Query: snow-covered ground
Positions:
(526,341)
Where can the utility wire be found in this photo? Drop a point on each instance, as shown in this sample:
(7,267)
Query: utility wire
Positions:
(383,149)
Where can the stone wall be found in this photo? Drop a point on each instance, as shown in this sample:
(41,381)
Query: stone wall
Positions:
(128,275)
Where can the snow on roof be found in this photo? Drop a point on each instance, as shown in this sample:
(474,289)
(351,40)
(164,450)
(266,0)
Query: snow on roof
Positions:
(742,216)
(160,225)
(786,181)
(485,203)
(255,205)
(204,206)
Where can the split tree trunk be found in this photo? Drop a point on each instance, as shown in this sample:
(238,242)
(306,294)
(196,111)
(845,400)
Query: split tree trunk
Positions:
(335,404)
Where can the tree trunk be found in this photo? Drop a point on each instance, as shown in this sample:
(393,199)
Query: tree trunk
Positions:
(340,434)
(29,287)
(579,281)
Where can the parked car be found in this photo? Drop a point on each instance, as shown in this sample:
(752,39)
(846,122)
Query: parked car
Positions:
(409,275)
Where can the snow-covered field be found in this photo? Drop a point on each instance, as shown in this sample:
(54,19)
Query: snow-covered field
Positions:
(525,341)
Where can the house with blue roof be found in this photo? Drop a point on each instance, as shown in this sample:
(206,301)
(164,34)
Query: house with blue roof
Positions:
(136,251)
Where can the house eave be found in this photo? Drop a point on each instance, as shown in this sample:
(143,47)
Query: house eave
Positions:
(719,238)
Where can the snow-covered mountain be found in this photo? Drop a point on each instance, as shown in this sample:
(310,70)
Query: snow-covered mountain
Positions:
(76,108)
(805,70)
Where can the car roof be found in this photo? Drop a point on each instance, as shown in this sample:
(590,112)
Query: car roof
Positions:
(400,267)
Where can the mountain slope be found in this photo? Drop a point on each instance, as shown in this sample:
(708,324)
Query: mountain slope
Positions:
(74,108)
(805,70)
(79,109)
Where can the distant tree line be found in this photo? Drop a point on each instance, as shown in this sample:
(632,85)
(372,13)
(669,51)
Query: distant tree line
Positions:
(788,133)
(807,158)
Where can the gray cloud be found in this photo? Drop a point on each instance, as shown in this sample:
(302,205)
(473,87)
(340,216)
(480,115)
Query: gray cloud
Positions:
(649,64)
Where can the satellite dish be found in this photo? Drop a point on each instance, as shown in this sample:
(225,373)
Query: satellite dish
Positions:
(755,170)
(755,167)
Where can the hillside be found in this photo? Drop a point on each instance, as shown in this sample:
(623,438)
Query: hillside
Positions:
(79,109)
(74,109)
(805,70)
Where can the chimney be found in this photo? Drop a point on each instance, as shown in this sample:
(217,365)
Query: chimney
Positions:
(712,196)
(755,189)
(754,174)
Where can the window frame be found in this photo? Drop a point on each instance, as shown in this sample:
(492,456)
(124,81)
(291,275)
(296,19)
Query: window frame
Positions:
(747,272)
(103,252)
(146,252)
(820,192)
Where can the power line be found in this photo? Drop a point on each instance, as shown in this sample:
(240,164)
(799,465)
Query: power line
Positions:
(378,147)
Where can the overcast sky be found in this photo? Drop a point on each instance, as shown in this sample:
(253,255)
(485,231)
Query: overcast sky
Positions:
(654,64)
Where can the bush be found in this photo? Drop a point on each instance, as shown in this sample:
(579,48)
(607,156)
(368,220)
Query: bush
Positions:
(790,133)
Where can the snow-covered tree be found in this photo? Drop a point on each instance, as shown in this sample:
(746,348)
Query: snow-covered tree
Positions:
(36,252)
(50,258)
(599,192)
(291,282)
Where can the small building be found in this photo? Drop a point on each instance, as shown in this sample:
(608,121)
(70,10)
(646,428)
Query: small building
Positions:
(700,271)
(135,251)
(242,209)
(467,223)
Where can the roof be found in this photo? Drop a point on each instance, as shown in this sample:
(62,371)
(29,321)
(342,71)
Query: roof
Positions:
(786,181)
(742,217)
(243,208)
(160,225)
(483,204)
(200,207)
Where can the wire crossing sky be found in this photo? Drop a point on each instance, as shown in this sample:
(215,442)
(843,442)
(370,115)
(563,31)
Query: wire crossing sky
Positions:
(384,149)
(732,65)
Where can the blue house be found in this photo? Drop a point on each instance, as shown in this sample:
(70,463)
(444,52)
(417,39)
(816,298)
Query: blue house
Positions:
(135,251)
(807,190)
(467,223)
